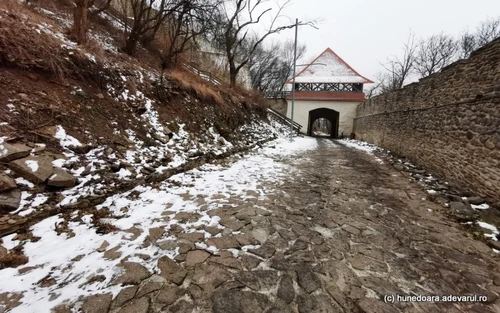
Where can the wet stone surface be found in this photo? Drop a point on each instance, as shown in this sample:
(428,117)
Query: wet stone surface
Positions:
(337,235)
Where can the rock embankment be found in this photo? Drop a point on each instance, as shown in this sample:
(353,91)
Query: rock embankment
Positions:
(35,167)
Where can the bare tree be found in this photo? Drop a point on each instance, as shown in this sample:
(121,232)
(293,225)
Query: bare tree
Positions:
(192,19)
(270,67)
(81,13)
(375,89)
(287,53)
(240,16)
(265,67)
(485,32)
(467,43)
(388,81)
(434,53)
(147,18)
(398,69)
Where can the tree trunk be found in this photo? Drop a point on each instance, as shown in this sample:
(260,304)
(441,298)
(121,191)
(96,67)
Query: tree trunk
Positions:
(80,21)
(131,42)
(232,74)
(170,60)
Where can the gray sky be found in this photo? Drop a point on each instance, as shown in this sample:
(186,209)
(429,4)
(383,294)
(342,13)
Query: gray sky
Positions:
(364,33)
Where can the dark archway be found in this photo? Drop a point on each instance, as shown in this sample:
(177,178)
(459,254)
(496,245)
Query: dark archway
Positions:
(331,115)
(322,127)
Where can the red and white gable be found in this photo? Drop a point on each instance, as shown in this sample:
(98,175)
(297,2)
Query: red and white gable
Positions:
(327,68)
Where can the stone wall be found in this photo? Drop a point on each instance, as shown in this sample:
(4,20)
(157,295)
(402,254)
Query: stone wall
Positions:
(448,123)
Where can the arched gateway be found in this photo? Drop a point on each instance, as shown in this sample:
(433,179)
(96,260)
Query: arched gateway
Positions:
(328,89)
(329,115)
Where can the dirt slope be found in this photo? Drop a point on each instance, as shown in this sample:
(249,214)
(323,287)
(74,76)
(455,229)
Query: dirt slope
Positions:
(79,123)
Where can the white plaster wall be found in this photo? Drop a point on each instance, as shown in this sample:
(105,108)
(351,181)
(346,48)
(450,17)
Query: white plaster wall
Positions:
(347,113)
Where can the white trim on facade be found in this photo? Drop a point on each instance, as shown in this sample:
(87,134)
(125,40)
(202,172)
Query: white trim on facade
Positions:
(346,109)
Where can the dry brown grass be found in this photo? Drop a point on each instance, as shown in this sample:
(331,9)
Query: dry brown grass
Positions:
(252,95)
(203,61)
(21,47)
(95,48)
(102,227)
(13,259)
(28,41)
(197,87)
(236,94)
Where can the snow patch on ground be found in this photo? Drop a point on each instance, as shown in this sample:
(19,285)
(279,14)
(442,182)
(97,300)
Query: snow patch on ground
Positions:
(284,146)
(123,173)
(493,230)
(361,145)
(64,139)
(33,165)
(58,163)
(22,181)
(325,232)
(483,206)
(143,208)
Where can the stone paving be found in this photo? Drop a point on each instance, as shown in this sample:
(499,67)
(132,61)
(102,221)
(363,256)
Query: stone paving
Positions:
(337,237)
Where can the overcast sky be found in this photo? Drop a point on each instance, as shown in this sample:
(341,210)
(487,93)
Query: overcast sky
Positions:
(364,33)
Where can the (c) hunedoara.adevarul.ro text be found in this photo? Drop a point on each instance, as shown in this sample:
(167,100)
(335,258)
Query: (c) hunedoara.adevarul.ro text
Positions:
(434,298)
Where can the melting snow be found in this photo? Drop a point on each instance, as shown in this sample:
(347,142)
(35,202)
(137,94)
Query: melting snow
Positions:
(492,228)
(64,139)
(361,145)
(33,165)
(488,226)
(58,163)
(325,232)
(3,151)
(39,200)
(143,211)
(124,173)
(483,206)
(299,144)
(11,107)
(22,181)
(152,116)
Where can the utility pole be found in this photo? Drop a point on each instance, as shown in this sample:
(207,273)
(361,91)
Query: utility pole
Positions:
(293,83)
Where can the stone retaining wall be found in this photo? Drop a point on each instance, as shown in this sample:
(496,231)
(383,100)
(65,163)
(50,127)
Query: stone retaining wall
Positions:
(448,122)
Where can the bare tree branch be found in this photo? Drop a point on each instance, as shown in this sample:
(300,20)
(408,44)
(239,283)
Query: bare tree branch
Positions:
(148,16)
(434,53)
(191,20)
(485,32)
(270,67)
(399,69)
(238,48)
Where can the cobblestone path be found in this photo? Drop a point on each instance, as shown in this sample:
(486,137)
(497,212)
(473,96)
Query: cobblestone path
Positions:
(337,235)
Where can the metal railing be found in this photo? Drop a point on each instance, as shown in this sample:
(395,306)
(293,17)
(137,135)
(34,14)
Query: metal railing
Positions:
(205,75)
(280,118)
